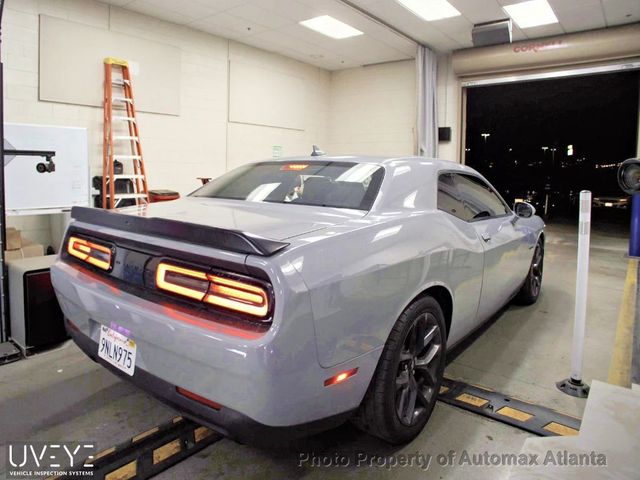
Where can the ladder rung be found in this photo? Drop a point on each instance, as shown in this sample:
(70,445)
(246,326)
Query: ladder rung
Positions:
(128,195)
(120,83)
(125,137)
(125,175)
(124,119)
(127,157)
(121,99)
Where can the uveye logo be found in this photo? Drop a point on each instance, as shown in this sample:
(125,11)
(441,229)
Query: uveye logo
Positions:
(27,460)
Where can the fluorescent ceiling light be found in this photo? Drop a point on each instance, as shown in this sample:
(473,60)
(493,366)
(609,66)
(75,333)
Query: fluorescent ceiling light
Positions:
(532,13)
(331,27)
(430,10)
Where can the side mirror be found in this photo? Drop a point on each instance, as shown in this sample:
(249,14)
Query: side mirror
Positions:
(629,176)
(524,209)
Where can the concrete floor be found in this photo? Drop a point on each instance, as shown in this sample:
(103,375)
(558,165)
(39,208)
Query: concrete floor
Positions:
(61,395)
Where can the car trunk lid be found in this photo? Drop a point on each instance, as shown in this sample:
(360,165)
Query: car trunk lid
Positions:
(274,221)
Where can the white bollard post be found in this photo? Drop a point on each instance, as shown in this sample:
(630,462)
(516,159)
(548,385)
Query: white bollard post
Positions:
(573,385)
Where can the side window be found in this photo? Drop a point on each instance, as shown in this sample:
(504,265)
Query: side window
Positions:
(478,198)
(449,199)
(468,197)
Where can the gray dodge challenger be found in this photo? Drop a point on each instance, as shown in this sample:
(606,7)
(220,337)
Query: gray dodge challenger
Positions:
(288,296)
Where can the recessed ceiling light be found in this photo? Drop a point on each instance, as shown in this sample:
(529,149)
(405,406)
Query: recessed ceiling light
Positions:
(331,27)
(532,13)
(430,10)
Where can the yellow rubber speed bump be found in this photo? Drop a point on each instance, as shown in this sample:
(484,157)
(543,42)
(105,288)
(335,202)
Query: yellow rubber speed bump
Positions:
(506,409)
(148,453)
(472,400)
(167,450)
(515,414)
(104,453)
(142,435)
(560,429)
(123,473)
(201,433)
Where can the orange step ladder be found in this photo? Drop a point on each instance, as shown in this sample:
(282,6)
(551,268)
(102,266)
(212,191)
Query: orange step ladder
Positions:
(118,96)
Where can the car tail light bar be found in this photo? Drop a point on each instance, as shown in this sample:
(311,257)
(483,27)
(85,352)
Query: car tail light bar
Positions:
(215,289)
(90,252)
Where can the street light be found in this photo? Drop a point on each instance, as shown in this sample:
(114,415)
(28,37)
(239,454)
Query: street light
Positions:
(485,135)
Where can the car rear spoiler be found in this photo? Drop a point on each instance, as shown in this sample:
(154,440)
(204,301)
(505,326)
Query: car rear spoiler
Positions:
(230,240)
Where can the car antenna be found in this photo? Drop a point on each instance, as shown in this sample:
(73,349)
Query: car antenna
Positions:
(317,152)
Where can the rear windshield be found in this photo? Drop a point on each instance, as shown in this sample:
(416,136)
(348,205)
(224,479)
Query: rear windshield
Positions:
(326,184)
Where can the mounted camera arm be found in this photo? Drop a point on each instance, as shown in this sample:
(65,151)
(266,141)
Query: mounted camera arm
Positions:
(41,167)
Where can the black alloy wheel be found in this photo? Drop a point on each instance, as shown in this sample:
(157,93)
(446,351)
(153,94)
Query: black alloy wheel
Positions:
(416,378)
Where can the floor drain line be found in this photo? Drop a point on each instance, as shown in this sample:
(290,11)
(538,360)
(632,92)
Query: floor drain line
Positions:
(148,453)
(533,418)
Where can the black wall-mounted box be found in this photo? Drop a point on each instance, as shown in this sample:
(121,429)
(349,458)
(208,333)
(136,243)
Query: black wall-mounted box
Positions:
(444,134)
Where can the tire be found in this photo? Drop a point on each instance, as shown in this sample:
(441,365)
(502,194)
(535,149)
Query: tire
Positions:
(405,386)
(530,291)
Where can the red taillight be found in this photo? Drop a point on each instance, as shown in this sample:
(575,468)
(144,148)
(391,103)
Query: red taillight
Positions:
(228,293)
(90,252)
(198,398)
(183,281)
(236,295)
(340,377)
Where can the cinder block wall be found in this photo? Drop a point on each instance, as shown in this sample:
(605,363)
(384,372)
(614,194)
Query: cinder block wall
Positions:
(373,109)
(367,110)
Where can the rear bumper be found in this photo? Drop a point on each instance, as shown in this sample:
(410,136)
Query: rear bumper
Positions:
(226,421)
(268,380)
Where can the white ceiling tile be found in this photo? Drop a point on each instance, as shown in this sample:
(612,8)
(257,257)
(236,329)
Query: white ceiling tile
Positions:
(219,5)
(586,17)
(224,21)
(479,11)
(292,9)
(280,41)
(618,12)
(118,3)
(259,15)
(455,27)
(154,8)
(544,31)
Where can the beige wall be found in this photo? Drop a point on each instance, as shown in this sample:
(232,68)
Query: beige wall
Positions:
(373,110)
(367,110)
(198,142)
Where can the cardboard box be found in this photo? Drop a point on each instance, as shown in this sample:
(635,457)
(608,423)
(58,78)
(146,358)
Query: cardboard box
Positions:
(14,239)
(27,251)
(12,254)
(32,250)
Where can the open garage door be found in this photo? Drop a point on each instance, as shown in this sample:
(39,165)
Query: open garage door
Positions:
(545,140)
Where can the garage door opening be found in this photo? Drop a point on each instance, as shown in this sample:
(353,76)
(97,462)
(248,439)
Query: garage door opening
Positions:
(544,141)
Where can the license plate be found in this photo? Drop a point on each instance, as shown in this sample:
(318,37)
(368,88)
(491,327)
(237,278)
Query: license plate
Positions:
(608,204)
(117,349)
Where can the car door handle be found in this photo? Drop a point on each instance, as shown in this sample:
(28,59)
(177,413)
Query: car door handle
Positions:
(486,237)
